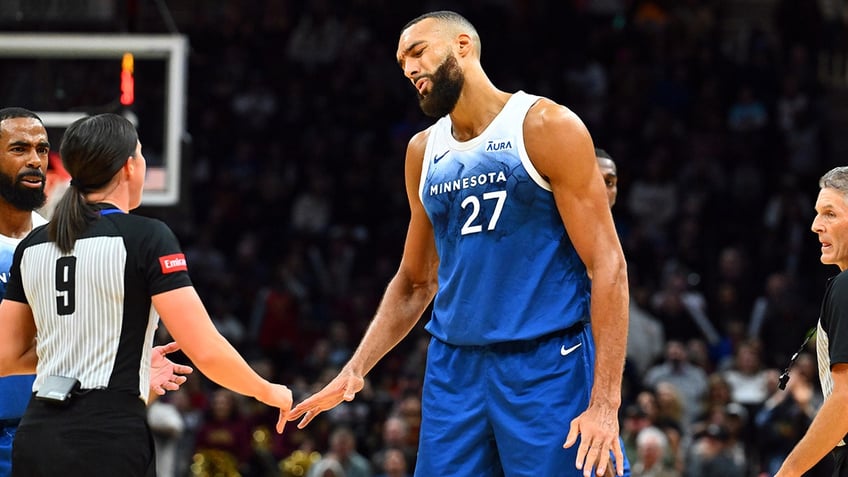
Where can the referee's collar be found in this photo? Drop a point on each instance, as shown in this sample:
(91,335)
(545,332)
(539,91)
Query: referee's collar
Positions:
(105,208)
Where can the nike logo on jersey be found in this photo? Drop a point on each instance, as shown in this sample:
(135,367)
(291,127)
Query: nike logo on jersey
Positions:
(567,351)
(440,156)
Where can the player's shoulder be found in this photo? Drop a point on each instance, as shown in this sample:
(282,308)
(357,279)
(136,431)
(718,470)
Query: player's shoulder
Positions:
(550,128)
(419,139)
(418,143)
(546,113)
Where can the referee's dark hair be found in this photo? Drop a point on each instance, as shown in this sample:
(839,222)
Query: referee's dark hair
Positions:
(93,150)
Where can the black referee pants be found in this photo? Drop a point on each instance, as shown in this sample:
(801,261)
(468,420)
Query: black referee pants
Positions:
(99,433)
(840,461)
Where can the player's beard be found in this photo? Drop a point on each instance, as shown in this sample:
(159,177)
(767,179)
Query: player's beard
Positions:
(447,84)
(20,197)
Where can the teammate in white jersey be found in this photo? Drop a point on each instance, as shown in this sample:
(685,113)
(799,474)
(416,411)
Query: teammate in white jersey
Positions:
(509,218)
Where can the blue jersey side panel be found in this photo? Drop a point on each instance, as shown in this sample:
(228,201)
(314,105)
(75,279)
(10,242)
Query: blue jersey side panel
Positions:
(508,270)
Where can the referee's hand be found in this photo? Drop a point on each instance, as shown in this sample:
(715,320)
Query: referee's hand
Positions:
(279,396)
(166,375)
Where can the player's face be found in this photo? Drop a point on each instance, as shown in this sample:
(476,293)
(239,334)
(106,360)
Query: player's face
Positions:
(23,159)
(432,68)
(137,179)
(610,179)
(831,225)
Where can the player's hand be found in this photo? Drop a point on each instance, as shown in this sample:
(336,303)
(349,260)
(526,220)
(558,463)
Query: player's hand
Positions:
(279,396)
(598,428)
(342,388)
(165,375)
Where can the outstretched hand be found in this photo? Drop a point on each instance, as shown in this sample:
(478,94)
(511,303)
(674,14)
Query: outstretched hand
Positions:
(165,375)
(342,388)
(597,427)
(279,397)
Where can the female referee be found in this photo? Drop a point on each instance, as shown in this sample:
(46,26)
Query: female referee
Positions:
(92,284)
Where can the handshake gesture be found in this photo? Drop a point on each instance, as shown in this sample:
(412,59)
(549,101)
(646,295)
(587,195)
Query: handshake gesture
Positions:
(165,375)
(342,388)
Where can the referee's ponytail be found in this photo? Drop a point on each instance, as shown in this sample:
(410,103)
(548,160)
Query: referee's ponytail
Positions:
(93,150)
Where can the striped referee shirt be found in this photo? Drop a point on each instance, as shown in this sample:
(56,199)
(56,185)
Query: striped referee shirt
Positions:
(93,313)
(832,332)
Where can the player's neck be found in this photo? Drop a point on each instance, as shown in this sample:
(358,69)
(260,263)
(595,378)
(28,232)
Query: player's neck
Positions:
(478,105)
(14,222)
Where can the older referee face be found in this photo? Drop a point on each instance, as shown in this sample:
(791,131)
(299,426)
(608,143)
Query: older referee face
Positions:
(831,225)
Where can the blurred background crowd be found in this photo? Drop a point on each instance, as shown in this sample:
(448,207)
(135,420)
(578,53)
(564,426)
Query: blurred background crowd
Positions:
(721,116)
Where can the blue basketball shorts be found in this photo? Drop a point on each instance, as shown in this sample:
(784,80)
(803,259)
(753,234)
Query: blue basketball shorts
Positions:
(7,434)
(505,409)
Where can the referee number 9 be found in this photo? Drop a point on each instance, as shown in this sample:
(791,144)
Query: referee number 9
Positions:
(66,285)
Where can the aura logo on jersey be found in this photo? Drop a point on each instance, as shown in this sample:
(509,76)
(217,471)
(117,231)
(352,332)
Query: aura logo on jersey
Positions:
(173,263)
(498,145)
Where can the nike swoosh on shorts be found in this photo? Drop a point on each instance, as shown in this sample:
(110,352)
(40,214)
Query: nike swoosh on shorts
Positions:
(567,351)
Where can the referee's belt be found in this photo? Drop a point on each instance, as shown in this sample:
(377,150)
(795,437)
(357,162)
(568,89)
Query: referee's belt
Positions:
(4,423)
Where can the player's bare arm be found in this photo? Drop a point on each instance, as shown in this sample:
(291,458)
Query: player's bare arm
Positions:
(407,296)
(17,339)
(414,285)
(561,149)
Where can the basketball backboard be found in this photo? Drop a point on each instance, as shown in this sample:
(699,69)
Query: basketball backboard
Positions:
(63,77)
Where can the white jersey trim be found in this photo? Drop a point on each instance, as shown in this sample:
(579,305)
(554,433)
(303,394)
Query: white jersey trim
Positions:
(519,100)
(823,358)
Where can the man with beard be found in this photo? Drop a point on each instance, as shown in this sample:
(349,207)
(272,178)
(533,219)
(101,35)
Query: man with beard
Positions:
(509,218)
(23,160)
(24,149)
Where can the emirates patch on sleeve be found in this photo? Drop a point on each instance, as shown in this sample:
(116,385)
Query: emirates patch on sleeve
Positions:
(173,263)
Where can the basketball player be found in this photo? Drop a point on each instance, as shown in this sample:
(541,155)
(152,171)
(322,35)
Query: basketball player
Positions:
(609,172)
(508,214)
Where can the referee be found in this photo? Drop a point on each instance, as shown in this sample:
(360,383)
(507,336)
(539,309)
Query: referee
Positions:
(92,284)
